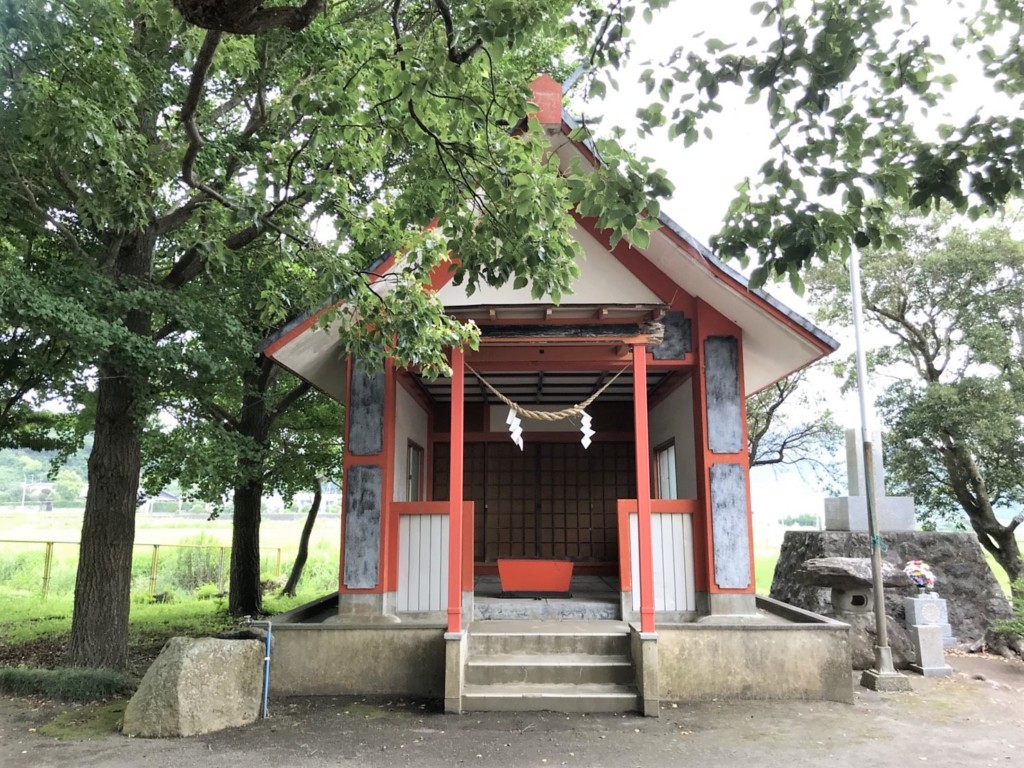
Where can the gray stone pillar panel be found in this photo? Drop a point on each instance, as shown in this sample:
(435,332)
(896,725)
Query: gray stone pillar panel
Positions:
(362,525)
(678,339)
(722,383)
(366,413)
(729,529)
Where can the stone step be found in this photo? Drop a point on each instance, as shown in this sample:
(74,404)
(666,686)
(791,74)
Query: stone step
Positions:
(554,698)
(602,638)
(562,669)
(488,609)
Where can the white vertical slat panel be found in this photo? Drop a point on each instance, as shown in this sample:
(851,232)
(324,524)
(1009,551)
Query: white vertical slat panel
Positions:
(415,555)
(682,559)
(422,563)
(442,563)
(688,572)
(426,566)
(672,550)
(402,598)
(436,564)
(634,558)
(659,564)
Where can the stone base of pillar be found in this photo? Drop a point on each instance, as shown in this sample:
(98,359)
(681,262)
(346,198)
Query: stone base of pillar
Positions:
(455,650)
(730,607)
(644,647)
(367,607)
(883,677)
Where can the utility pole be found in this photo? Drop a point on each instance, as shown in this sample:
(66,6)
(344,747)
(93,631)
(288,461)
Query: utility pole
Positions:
(883,676)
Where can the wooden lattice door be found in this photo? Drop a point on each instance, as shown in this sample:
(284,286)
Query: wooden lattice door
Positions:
(553,499)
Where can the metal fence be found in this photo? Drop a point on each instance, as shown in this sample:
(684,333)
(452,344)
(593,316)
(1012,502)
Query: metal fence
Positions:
(154,559)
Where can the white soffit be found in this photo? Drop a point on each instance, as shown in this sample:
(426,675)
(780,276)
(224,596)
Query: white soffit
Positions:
(602,281)
(772,348)
(317,356)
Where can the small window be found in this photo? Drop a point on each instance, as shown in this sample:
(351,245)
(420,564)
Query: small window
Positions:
(665,471)
(414,481)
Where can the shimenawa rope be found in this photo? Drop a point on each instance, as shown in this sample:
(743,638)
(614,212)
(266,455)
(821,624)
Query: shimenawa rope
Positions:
(565,413)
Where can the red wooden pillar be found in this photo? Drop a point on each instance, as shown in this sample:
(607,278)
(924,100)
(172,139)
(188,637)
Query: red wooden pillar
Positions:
(455,493)
(643,488)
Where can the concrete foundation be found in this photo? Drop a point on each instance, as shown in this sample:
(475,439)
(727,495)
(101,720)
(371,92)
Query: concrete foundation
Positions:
(726,606)
(776,652)
(789,654)
(316,654)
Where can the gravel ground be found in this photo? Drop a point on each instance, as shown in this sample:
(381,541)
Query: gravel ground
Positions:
(973,718)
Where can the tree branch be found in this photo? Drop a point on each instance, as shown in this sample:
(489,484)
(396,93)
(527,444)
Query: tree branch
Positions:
(30,198)
(230,422)
(197,84)
(454,54)
(247,17)
(289,400)
(193,261)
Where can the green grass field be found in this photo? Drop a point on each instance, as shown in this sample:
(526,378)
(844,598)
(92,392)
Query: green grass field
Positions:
(192,555)
(189,577)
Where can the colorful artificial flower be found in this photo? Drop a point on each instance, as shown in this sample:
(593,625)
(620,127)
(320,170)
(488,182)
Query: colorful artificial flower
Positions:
(919,572)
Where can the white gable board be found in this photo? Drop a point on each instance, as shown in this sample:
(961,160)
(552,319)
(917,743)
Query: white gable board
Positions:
(602,281)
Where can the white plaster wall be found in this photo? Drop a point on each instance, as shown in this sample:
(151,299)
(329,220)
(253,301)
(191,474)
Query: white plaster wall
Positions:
(670,419)
(410,424)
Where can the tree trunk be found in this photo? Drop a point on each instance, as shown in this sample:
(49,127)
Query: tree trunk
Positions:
(307,530)
(245,598)
(99,623)
(1007,554)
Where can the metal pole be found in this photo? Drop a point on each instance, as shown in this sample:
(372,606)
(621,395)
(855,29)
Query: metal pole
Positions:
(883,676)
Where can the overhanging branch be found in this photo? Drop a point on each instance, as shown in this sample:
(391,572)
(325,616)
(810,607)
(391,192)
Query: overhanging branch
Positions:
(247,17)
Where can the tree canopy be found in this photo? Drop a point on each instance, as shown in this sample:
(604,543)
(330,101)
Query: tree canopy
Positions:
(854,93)
(952,304)
(142,156)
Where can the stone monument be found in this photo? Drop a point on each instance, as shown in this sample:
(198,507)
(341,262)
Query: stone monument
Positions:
(928,625)
(850,513)
(928,609)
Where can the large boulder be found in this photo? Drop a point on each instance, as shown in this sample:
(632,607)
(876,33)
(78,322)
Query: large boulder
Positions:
(963,577)
(198,685)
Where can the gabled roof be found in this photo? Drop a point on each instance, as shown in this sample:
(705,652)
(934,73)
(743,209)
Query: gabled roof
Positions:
(777,340)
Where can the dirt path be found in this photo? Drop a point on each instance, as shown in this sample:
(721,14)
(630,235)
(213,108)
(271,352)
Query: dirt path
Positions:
(974,718)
